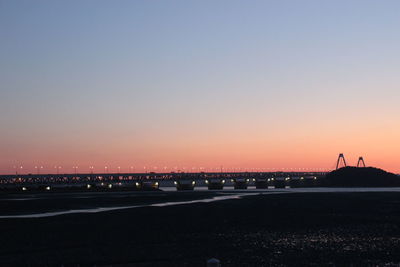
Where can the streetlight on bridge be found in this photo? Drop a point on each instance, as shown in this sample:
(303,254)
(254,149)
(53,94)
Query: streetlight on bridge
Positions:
(18,168)
(57,169)
(38,168)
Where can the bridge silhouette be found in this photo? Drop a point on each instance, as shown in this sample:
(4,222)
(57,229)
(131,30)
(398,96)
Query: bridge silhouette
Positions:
(341,161)
(278,179)
(112,177)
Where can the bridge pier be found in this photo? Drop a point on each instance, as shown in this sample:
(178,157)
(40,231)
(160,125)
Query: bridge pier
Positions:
(185,185)
(240,183)
(215,184)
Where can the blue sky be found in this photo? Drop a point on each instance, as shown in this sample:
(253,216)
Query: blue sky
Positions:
(147,76)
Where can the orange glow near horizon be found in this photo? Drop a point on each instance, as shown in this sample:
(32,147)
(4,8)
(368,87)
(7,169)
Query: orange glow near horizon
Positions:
(291,146)
(295,146)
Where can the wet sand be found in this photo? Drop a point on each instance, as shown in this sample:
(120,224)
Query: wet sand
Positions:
(296,229)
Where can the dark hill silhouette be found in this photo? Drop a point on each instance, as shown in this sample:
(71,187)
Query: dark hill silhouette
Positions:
(361,177)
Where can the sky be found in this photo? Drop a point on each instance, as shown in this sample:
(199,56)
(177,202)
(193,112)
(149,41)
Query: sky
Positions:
(196,85)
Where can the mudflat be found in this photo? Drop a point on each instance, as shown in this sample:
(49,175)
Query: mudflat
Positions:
(296,229)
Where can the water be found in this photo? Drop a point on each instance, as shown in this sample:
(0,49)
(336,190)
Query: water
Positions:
(97,210)
(226,194)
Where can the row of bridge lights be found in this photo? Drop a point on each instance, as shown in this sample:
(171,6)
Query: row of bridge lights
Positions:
(132,169)
(88,186)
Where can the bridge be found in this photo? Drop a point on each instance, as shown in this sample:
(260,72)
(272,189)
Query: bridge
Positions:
(138,180)
(11,180)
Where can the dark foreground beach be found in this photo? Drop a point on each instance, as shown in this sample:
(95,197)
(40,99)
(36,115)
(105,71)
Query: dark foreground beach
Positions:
(295,229)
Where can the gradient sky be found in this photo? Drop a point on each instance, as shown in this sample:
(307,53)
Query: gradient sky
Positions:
(239,84)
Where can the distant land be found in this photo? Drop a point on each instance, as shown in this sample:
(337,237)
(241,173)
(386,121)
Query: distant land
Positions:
(361,177)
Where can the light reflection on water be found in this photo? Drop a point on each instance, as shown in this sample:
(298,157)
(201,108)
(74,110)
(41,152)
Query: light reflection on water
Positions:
(204,188)
(227,193)
(97,210)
